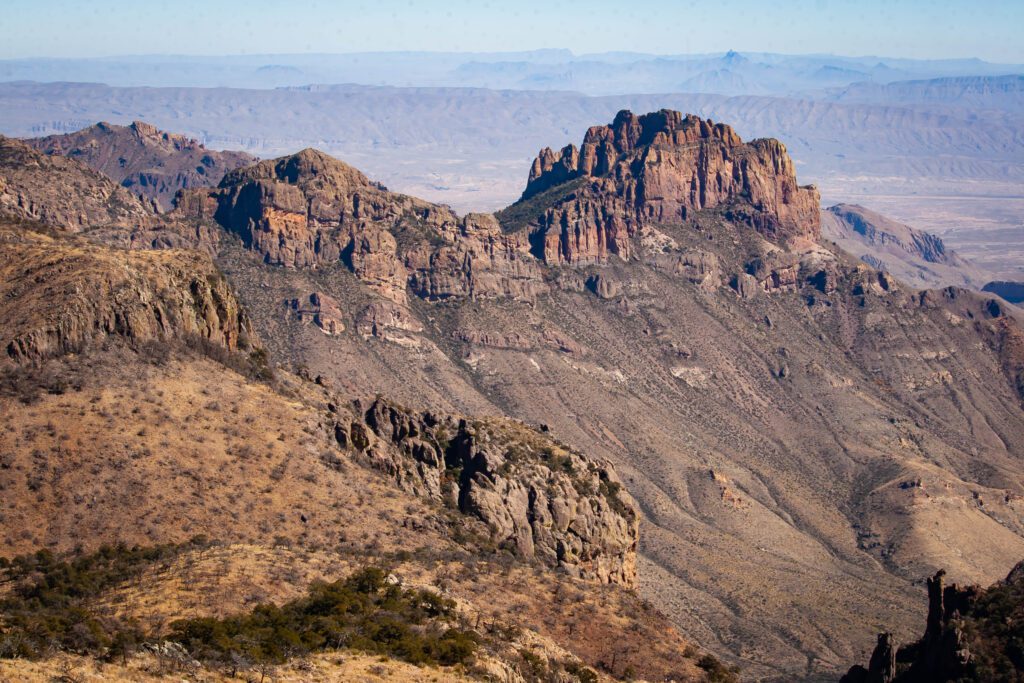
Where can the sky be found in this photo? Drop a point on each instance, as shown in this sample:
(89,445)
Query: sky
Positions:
(988,29)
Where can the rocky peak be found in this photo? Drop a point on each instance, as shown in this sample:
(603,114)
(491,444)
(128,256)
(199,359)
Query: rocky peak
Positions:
(309,209)
(661,168)
(306,169)
(150,162)
(603,146)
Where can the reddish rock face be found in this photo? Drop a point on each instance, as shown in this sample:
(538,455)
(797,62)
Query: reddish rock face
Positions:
(309,209)
(477,261)
(659,168)
(320,309)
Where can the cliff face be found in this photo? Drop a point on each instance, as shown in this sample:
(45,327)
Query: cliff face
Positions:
(971,634)
(59,295)
(540,500)
(63,193)
(147,161)
(309,210)
(661,168)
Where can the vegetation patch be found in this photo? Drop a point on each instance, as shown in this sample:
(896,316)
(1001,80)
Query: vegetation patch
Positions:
(524,212)
(367,611)
(48,610)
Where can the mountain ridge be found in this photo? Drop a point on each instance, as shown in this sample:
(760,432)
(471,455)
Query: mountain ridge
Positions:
(803,435)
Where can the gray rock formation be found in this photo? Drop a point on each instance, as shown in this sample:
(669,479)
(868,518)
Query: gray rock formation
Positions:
(539,499)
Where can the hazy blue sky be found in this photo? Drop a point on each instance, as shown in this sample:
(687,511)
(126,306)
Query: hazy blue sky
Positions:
(990,29)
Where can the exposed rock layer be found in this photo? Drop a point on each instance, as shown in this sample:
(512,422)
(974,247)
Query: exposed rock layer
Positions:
(59,295)
(661,168)
(539,499)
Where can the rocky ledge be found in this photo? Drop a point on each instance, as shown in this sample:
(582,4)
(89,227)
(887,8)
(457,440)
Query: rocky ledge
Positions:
(59,294)
(539,499)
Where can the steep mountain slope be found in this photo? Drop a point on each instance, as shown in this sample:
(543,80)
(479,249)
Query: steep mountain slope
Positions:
(147,161)
(805,436)
(918,258)
(169,441)
(61,192)
(181,430)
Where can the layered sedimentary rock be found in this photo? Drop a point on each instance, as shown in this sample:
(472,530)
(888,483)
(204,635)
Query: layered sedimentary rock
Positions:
(148,161)
(477,260)
(661,168)
(309,209)
(63,193)
(539,499)
(58,295)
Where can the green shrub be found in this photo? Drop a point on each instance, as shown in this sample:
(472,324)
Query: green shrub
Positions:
(48,605)
(363,612)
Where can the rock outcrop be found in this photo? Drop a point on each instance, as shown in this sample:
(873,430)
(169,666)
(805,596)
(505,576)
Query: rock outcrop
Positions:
(956,616)
(661,168)
(148,161)
(476,261)
(63,193)
(320,309)
(308,210)
(539,499)
(60,294)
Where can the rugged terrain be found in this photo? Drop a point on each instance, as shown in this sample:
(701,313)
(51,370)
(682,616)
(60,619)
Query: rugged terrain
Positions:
(182,430)
(806,438)
(971,634)
(150,162)
(60,192)
(916,257)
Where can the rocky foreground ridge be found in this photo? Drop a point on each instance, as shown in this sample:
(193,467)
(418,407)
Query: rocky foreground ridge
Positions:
(64,193)
(60,295)
(538,498)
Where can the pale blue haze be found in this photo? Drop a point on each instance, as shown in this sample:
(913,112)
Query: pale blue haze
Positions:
(988,29)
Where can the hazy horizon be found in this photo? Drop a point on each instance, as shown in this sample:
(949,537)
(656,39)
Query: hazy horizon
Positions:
(913,29)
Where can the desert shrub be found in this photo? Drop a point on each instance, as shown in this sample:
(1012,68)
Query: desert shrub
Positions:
(581,673)
(365,612)
(47,608)
(716,672)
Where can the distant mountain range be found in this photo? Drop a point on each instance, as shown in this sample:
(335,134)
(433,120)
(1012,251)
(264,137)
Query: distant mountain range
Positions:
(609,73)
(467,147)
